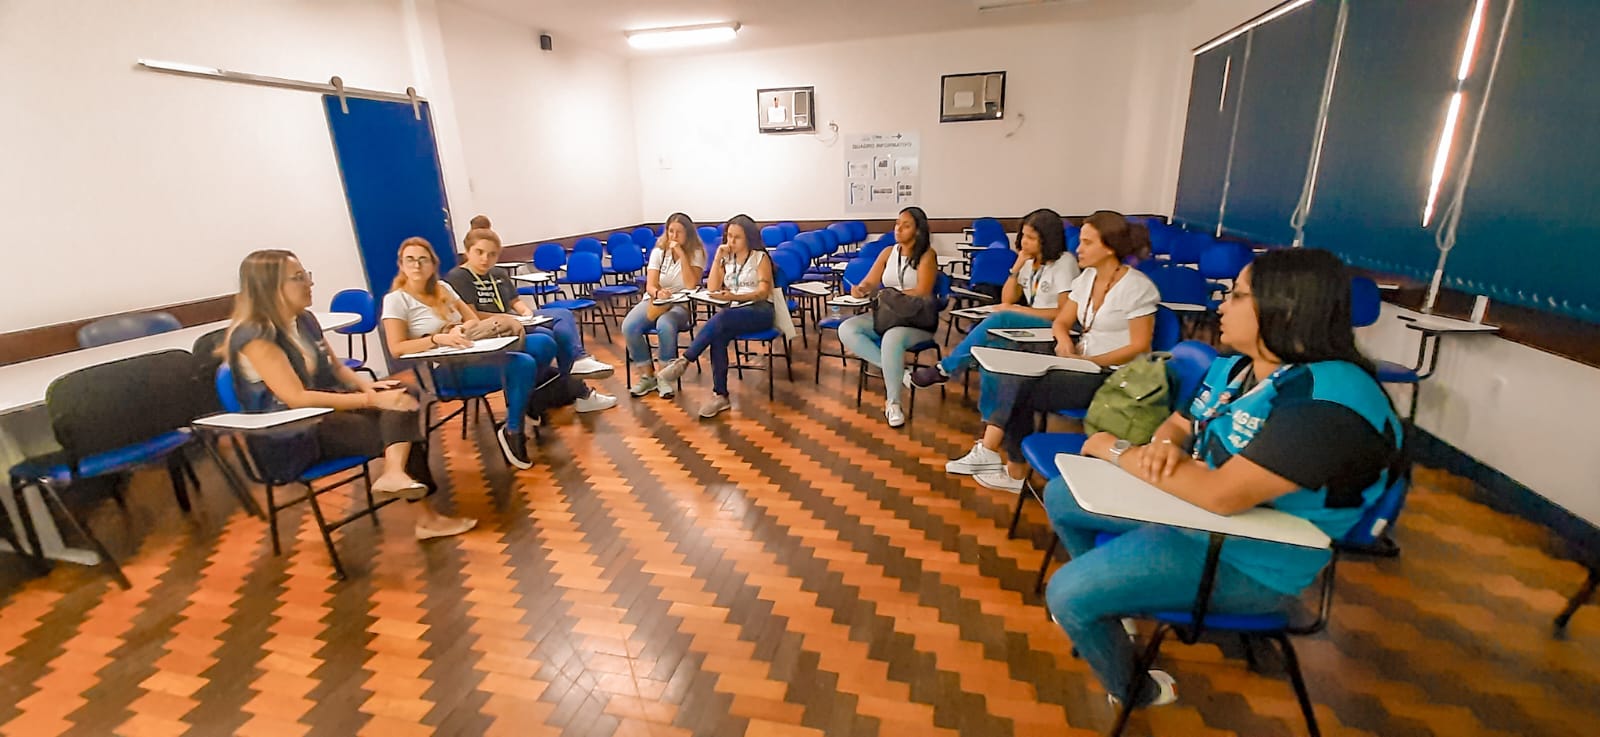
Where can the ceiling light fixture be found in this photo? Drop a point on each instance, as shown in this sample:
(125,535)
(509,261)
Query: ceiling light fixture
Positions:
(984,7)
(681,36)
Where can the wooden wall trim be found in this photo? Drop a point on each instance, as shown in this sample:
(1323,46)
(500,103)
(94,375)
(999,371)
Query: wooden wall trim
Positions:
(49,340)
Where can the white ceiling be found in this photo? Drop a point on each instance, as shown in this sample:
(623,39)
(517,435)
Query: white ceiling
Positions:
(599,24)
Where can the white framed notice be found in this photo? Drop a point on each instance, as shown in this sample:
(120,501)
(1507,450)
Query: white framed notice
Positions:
(882,171)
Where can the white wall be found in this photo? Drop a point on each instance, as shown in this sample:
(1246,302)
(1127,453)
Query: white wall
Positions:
(1095,96)
(548,136)
(149,188)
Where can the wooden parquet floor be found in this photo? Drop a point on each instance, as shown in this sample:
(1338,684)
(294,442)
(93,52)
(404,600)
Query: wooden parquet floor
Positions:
(794,568)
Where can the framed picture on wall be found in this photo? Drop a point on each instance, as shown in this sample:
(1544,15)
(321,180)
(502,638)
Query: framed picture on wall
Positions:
(976,96)
(786,110)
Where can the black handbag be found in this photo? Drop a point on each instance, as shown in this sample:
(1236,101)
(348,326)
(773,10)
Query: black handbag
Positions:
(894,308)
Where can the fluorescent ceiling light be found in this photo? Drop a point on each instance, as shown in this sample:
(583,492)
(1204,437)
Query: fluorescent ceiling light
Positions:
(672,38)
(1472,42)
(1442,156)
(1268,17)
(984,7)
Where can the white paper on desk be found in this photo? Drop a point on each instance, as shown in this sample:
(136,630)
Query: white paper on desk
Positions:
(533,321)
(486,345)
(976,313)
(1026,335)
(849,300)
(811,287)
(677,298)
(260,420)
(1023,363)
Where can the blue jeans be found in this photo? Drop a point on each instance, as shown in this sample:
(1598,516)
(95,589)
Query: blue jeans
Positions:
(1148,568)
(569,340)
(887,351)
(720,331)
(515,372)
(960,358)
(667,327)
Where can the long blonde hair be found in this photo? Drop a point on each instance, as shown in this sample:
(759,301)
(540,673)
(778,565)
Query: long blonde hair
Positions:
(691,239)
(432,294)
(260,298)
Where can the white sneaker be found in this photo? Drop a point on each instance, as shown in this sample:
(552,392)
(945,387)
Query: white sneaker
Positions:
(999,481)
(896,416)
(643,386)
(589,366)
(665,388)
(669,373)
(1166,690)
(976,461)
(714,406)
(595,402)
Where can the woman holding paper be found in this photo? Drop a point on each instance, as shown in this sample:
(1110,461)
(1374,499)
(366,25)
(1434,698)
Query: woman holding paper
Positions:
(1031,298)
(675,265)
(1295,419)
(742,277)
(281,360)
(911,267)
(422,313)
(1115,305)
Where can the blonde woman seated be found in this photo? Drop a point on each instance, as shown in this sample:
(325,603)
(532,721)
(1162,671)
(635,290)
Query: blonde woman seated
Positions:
(280,360)
(676,264)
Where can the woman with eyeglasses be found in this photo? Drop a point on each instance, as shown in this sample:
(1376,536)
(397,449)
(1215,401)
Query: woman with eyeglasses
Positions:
(422,312)
(1295,419)
(280,360)
(1114,306)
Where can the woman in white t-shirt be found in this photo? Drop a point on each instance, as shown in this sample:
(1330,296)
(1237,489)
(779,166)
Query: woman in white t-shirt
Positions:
(423,312)
(676,264)
(1114,305)
(1030,298)
(911,267)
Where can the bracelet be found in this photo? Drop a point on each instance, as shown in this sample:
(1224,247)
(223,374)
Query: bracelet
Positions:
(433,340)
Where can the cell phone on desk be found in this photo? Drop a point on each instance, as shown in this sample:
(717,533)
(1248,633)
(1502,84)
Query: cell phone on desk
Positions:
(387,385)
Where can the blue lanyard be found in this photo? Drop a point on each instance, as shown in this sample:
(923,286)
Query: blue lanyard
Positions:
(1204,419)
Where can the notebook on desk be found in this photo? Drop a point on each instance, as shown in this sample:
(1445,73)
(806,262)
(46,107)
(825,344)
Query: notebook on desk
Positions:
(533,321)
(487,345)
(849,300)
(1022,363)
(975,313)
(1026,335)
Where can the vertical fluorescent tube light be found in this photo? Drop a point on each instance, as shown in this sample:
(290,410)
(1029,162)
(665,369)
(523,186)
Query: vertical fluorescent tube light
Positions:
(678,37)
(1265,18)
(1442,156)
(1473,29)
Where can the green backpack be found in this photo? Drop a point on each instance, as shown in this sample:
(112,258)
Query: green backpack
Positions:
(1134,401)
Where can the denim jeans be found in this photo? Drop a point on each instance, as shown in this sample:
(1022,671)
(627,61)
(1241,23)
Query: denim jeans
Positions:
(720,331)
(515,372)
(1148,568)
(887,351)
(960,358)
(667,328)
(564,329)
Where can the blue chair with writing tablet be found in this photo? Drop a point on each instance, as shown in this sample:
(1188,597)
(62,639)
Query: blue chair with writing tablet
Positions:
(118,328)
(986,231)
(644,238)
(358,302)
(583,277)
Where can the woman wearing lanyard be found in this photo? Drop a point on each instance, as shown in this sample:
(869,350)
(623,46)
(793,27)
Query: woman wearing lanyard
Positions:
(910,267)
(1031,298)
(675,265)
(1114,305)
(1295,419)
(742,275)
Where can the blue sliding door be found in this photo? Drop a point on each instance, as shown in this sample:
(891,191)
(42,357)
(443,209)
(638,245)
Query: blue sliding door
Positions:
(392,180)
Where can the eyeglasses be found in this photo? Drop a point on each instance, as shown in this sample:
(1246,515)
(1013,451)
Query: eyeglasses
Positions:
(302,278)
(416,260)
(1239,295)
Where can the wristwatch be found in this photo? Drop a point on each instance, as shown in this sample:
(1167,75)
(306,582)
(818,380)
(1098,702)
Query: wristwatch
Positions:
(1117,449)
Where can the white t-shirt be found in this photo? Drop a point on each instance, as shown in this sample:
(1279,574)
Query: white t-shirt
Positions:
(671,272)
(1044,287)
(898,272)
(420,319)
(745,278)
(1106,329)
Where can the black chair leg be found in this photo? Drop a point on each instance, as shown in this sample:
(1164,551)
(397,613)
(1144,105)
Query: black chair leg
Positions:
(1044,565)
(29,530)
(119,487)
(272,521)
(1130,700)
(1292,664)
(8,533)
(327,535)
(1016,514)
(772,368)
(180,487)
(106,560)
(1249,652)
(788,364)
(235,484)
(1578,600)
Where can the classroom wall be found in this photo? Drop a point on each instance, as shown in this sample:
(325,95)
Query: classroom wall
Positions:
(548,136)
(126,189)
(1098,98)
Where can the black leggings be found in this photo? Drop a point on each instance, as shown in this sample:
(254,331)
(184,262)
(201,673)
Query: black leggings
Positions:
(1022,398)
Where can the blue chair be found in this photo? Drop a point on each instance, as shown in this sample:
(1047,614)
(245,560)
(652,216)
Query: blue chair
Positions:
(589,245)
(583,277)
(1072,233)
(118,328)
(110,420)
(1162,236)
(1186,249)
(1276,626)
(769,337)
(359,302)
(1222,262)
(790,230)
(264,457)
(986,231)
(1187,367)
(550,258)
(858,232)
(941,294)
(710,236)
(843,234)
(644,238)
(829,243)
(772,235)
(790,259)
(1366,302)
(987,273)
(854,273)
(617,239)
(626,260)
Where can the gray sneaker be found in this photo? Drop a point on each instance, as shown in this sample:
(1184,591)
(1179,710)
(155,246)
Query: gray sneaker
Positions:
(643,386)
(714,406)
(669,373)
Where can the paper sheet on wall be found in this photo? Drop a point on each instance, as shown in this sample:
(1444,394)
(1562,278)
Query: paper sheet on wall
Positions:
(882,171)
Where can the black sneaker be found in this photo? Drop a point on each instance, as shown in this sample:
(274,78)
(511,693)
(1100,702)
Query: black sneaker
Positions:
(515,447)
(926,376)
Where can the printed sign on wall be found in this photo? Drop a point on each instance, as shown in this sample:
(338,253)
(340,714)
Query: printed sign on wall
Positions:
(882,173)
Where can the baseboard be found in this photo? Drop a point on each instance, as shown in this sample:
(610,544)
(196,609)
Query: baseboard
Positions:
(1504,494)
